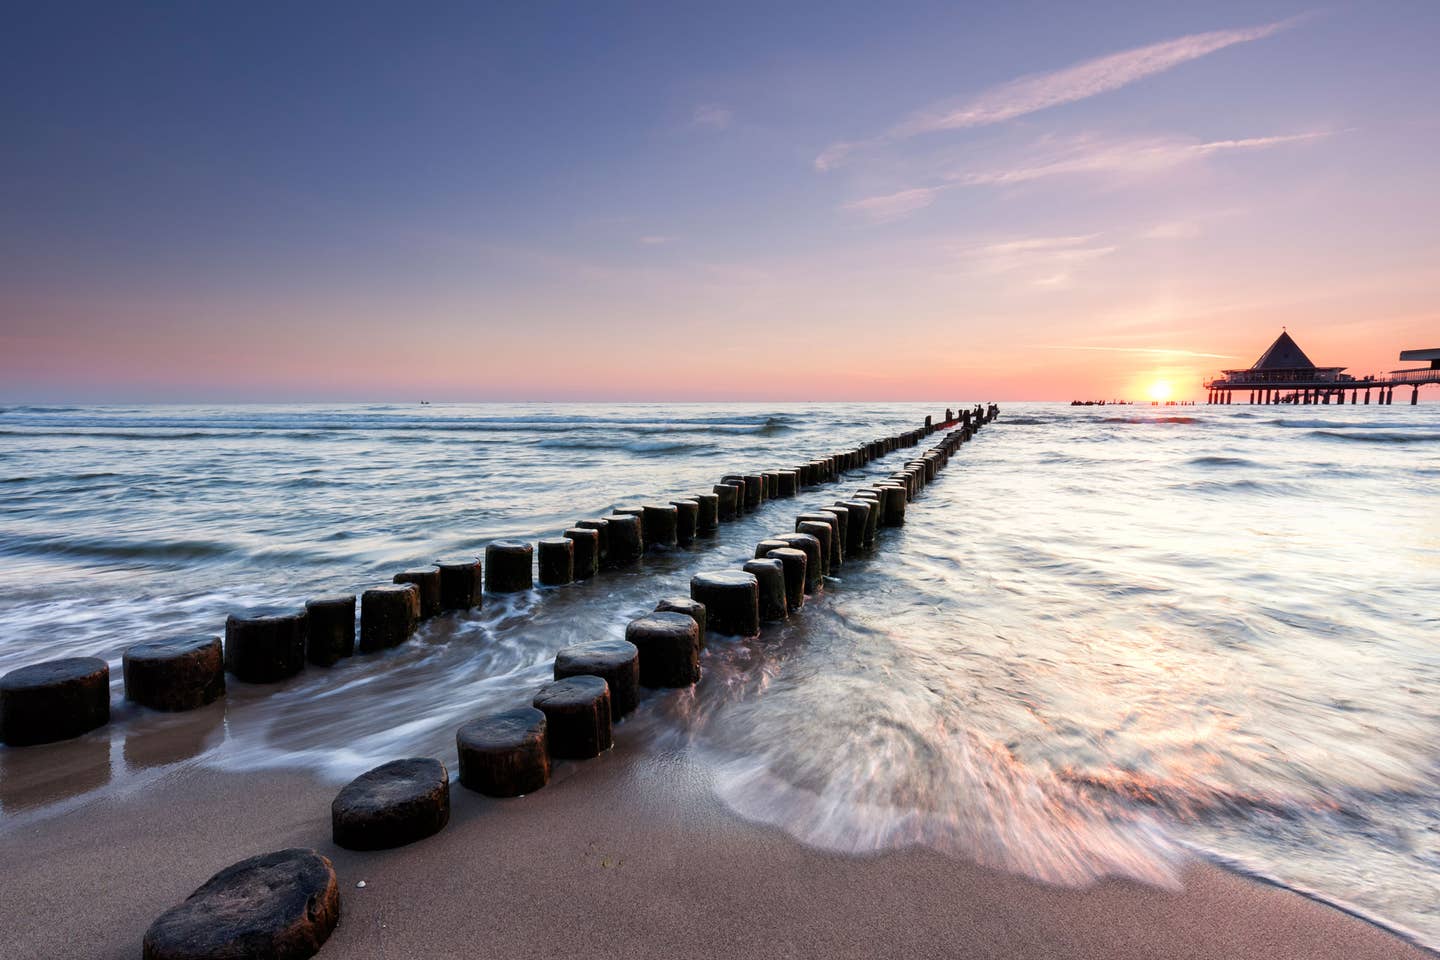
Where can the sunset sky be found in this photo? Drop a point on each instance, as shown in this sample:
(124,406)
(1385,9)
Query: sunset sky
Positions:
(709,201)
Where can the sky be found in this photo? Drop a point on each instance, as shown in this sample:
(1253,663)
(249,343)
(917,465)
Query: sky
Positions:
(686,201)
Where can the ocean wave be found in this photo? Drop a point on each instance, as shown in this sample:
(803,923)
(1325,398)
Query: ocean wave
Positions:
(1189,798)
(104,549)
(1382,437)
(1248,485)
(641,447)
(1216,461)
(1147,420)
(82,433)
(1312,423)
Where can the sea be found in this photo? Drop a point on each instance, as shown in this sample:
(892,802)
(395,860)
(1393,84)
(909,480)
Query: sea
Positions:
(1106,640)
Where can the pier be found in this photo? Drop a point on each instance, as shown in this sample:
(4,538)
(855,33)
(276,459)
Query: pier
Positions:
(1284,374)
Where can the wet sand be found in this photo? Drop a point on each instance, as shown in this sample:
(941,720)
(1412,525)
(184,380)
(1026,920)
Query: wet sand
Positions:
(625,856)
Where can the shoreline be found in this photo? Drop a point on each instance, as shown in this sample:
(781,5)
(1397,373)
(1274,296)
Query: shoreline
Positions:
(627,855)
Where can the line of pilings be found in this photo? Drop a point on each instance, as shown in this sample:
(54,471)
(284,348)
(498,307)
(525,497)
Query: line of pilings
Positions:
(1309,396)
(291,897)
(505,754)
(61,699)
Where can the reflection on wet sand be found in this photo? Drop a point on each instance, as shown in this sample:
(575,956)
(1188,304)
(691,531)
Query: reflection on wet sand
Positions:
(34,777)
(156,739)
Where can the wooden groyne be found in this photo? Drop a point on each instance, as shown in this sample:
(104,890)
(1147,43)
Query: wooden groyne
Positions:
(287,903)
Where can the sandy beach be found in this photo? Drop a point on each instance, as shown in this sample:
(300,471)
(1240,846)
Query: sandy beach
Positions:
(981,459)
(628,856)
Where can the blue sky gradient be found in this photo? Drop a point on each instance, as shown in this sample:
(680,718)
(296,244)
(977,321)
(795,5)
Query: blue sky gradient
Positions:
(367,201)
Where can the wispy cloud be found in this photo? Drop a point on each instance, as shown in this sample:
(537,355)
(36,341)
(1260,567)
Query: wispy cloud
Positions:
(1053,157)
(1045,261)
(1150,351)
(712,117)
(1041,91)
(1174,230)
(1190,226)
(894,206)
(1084,155)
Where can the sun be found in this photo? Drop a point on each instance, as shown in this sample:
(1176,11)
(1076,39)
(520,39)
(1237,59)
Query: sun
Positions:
(1160,390)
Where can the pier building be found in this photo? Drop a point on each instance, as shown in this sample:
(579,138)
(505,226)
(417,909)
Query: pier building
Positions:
(1284,374)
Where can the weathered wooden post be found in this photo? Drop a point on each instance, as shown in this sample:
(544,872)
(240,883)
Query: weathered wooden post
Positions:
(769,574)
(617,662)
(627,543)
(329,629)
(177,674)
(556,561)
(392,805)
(687,517)
(388,615)
(427,582)
(793,563)
(265,649)
(504,754)
(732,602)
(586,560)
(508,566)
(54,700)
(669,645)
(460,583)
(577,716)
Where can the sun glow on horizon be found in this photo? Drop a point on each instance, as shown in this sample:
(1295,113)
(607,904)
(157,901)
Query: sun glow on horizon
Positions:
(1160,390)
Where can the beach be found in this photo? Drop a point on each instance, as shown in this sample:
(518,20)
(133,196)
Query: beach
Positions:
(628,855)
(1027,724)
(863,481)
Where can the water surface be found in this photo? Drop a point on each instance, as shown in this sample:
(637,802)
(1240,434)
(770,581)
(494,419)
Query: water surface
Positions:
(1105,636)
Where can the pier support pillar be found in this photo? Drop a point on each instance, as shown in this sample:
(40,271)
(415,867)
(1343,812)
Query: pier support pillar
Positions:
(1367,396)
(1414,395)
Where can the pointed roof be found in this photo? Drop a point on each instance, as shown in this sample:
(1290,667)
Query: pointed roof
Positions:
(1284,354)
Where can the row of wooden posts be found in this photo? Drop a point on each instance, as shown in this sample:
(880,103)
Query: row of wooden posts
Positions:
(288,902)
(62,699)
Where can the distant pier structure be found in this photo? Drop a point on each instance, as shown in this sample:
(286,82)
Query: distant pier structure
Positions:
(1284,374)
